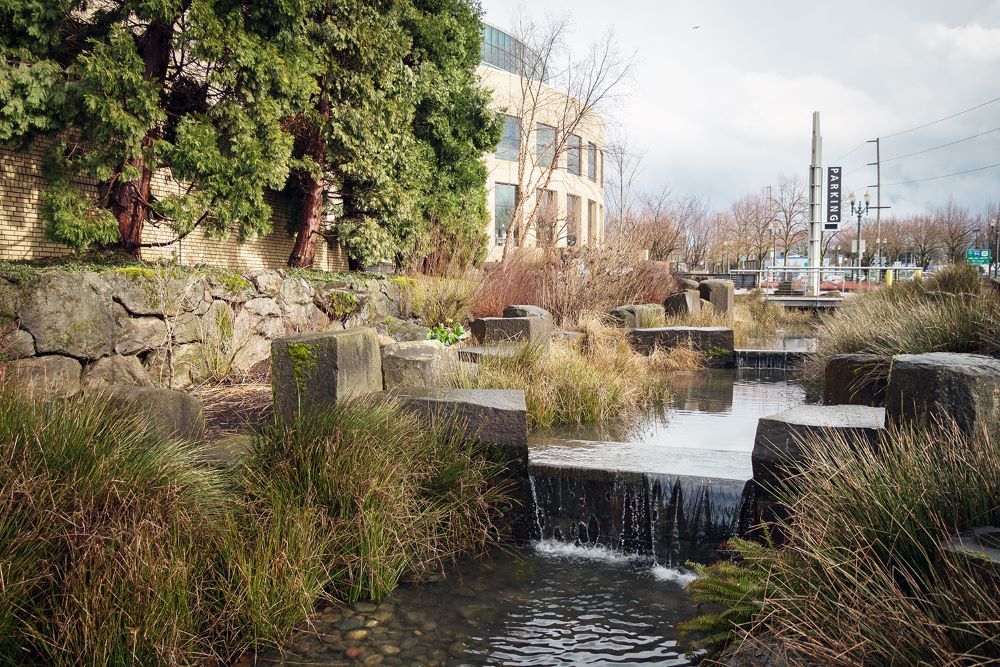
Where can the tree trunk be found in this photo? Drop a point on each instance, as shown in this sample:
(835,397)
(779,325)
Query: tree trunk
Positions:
(129,200)
(311,212)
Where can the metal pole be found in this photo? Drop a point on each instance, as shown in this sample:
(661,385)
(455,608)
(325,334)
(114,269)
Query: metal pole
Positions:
(857,276)
(815,206)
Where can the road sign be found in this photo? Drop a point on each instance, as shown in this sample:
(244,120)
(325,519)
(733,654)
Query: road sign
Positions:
(833,199)
(978,256)
(854,246)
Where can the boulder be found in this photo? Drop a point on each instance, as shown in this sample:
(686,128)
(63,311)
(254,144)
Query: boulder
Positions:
(69,314)
(423,363)
(269,282)
(263,306)
(720,293)
(170,413)
(149,292)
(535,330)
(687,283)
(403,330)
(715,343)
(856,379)
(639,316)
(497,420)
(177,366)
(139,334)
(17,344)
(777,451)
(683,303)
(945,386)
(313,371)
(115,371)
(51,375)
(231,287)
(187,328)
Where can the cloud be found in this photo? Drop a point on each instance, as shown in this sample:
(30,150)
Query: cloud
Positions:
(972,41)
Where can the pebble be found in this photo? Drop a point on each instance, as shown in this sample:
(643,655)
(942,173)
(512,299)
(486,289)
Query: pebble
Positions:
(373,659)
(354,652)
(389,649)
(356,635)
(352,623)
(371,623)
(429,626)
(365,607)
(408,643)
(456,649)
(382,615)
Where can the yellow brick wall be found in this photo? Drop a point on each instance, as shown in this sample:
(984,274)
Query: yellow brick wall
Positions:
(22,228)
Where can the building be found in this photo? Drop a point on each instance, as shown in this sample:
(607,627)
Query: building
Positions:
(548,157)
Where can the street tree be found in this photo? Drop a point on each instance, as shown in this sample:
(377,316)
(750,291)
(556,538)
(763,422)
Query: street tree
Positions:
(196,91)
(790,202)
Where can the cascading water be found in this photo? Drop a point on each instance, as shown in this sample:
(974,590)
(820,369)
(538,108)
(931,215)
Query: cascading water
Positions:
(768,359)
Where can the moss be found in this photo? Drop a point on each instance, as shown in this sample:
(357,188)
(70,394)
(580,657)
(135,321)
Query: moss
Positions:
(342,304)
(232,281)
(718,352)
(303,358)
(135,273)
(403,282)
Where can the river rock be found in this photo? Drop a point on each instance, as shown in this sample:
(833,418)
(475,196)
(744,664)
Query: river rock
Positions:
(720,293)
(172,414)
(69,314)
(683,303)
(312,371)
(424,363)
(715,343)
(856,379)
(52,375)
(945,386)
(535,330)
(17,344)
(139,334)
(115,371)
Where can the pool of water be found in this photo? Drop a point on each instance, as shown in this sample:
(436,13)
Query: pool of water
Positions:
(706,429)
(551,605)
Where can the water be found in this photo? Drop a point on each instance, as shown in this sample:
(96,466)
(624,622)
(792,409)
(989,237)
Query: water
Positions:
(553,605)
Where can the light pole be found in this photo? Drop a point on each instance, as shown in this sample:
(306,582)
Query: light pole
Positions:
(995,239)
(859,210)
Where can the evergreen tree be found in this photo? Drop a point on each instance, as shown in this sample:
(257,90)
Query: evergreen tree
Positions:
(128,87)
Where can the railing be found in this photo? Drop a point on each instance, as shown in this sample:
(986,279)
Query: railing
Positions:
(795,280)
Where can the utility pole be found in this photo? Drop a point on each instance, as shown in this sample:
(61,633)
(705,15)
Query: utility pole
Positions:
(815,207)
(878,197)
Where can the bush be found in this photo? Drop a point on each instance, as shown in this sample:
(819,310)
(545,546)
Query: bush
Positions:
(864,577)
(572,282)
(438,300)
(952,311)
(599,379)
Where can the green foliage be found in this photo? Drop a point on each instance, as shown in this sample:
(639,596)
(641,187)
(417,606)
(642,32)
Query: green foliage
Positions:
(738,587)
(130,88)
(448,332)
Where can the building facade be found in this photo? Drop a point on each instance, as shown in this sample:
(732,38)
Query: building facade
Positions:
(550,158)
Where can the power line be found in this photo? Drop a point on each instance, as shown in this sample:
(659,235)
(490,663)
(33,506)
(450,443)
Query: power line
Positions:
(950,143)
(940,120)
(934,178)
(853,150)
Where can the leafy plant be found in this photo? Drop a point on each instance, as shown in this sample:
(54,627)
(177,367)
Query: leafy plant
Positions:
(448,333)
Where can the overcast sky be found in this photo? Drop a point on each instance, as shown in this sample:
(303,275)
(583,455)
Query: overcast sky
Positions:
(725,108)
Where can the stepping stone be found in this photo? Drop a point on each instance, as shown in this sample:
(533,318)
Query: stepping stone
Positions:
(720,293)
(639,316)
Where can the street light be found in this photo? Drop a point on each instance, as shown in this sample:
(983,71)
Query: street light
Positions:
(859,210)
(995,239)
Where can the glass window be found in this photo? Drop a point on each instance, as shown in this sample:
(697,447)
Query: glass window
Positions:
(591,161)
(546,141)
(573,155)
(591,222)
(572,219)
(509,147)
(505,200)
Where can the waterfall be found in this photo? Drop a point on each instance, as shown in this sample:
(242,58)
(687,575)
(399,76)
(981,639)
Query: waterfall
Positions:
(769,359)
(670,518)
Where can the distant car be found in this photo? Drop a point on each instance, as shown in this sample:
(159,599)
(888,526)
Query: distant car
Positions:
(833,278)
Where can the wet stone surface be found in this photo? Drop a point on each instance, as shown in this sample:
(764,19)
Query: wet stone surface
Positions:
(556,605)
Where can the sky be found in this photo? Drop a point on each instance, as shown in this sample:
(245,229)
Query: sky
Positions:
(723,108)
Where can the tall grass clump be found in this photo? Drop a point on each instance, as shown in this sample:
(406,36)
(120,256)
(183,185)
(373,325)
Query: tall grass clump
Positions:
(754,319)
(952,311)
(438,300)
(864,577)
(570,282)
(106,536)
(597,379)
(394,495)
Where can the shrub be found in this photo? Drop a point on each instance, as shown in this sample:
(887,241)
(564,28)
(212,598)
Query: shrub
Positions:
(437,300)
(395,496)
(598,379)
(571,282)
(864,577)
(952,311)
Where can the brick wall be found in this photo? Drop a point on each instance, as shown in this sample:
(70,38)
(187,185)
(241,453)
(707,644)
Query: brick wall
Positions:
(22,228)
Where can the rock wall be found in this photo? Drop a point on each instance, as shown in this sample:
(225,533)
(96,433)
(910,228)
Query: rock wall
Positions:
(66,331)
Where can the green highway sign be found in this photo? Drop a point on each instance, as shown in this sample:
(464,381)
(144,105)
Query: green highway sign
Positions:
(974,256)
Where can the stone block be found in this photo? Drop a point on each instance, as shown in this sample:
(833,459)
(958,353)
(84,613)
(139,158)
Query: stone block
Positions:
(945,386)
(720,293)
(172,414)
(687,283)
(69,314)
(683,303)
(313,371)
(139,334)
(497,420)
(715,343)
(474,354)
(536,330)
(639,316)
(524,310)
(424,363)
(404,330)
(856,379)
(115,371)
(51,376)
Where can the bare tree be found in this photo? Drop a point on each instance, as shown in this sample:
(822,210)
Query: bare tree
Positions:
(956,228)
(790,200)
(560,97)
(624,164)
(752,219)
(923,238)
